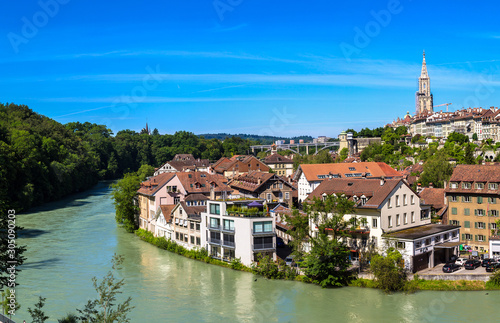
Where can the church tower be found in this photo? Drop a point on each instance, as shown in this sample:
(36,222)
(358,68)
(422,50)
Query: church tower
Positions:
(423,97)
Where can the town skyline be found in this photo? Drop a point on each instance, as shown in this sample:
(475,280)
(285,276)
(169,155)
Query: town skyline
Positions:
(313,70)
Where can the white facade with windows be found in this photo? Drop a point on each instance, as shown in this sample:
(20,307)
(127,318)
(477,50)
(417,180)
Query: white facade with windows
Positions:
(228,233)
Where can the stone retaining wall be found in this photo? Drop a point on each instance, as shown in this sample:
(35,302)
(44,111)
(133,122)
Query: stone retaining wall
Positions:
(454,277)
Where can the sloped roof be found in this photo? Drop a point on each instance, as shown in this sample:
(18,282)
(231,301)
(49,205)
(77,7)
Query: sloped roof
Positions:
(370,188)
(199,182)
(433,197)
(253,181)
(277,159)
(196,197)
(155,183)
(420,231)
(476,173)
(371,169)
(193,211)
(167,209)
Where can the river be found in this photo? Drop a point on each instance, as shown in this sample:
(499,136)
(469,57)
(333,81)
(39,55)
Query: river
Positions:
(73,240)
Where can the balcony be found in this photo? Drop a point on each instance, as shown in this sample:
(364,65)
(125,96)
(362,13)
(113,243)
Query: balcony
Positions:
(214,227)
(214,241)
(263,246)
(226,243)
(264,233)
(227,230)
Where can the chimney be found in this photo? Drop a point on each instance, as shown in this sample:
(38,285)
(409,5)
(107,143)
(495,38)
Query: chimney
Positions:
(419,188)
(259,181)
(431,185)
(212,193)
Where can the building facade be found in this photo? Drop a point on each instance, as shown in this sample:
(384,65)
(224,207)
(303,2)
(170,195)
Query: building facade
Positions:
(229,231)
(474,203)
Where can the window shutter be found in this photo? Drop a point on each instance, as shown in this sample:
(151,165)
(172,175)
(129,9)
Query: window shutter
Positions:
(475,237)
(463,198)
(463,237)
(475,211)
(475,225)
(489,226)
(458,222)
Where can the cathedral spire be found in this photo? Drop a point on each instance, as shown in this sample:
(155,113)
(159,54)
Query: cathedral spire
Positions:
(424,74)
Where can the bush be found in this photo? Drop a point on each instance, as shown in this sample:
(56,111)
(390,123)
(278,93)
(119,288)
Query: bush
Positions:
(494,280)
(389,271)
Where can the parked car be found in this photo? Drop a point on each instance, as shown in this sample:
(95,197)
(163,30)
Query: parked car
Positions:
(461,261)
(492,267)
(453,259)
(472,264)
(289,260)
(488,261)
(451,267)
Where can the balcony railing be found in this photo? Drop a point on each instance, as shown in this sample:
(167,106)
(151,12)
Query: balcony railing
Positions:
(214,227)
(263,233)
(263,246)
(228,229)
(226,243)
(214,241)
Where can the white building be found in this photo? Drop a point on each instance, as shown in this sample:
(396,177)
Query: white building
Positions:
(229,230)
(163,223)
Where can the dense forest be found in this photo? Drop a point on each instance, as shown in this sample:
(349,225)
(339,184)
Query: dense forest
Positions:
(42,160)
(264,140)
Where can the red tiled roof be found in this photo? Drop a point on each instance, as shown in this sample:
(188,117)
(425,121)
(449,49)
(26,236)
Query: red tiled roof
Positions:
(201,181)
(433,197)
(375,169)
(370,188)
(167,209)
(277,159)
(155,183)
(253,181)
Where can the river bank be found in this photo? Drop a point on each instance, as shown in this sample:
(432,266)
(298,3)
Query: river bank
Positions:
(415,282)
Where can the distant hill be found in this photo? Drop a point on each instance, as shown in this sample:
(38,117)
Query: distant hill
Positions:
(265,140)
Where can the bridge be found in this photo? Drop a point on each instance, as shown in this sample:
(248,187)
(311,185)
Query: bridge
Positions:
(296,147)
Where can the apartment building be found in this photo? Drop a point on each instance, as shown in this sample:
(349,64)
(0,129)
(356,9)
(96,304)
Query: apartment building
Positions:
(473,203)
(281,165)
(238,229)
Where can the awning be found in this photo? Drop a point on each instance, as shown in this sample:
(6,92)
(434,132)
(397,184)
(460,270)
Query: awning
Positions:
(448,245)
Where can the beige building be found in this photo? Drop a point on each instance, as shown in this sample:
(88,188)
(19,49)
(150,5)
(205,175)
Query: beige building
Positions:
(281,165)
(473,203)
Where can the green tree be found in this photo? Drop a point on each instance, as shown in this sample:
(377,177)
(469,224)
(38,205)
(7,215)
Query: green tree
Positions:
(344,152)
(474,136)
(70,318)
(124,192)
(326,264)
(37,314)
(436,170)
(104,309)
(389,271)
(457,138)
(469,154)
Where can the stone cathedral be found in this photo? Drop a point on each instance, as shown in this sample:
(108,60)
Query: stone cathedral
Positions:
(423,97)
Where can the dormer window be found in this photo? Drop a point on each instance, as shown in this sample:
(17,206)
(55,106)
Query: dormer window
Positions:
(352,168)
(493,186)
(479,186)
(453,185)
(363,200)
(466,185)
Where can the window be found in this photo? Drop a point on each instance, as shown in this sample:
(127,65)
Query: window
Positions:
(192,239)
(466,224)
(177,200)
(177,235)
(191,225)
(389,204)
(374,223)
(390,221)
(185,238)
(466,199)
(405,218)
(493,212)
(214,208)
(479,199)
(492,200)
(479,186)
(453,185)
(466,185)
(259,227)
(412,217)
(197,227)
(493,226)
(352,168)
(467,236)
(405,202)
(418,244)
(397,200)
(397,220)
(412,199)
(229,225)
(466,211)
(269,196)
(454,210)
(493,186)
(480,225)
(400,245)
(454,198)
(287,195)
(198,241)
(479,212)
(427,242)
(454,222)
(214,223)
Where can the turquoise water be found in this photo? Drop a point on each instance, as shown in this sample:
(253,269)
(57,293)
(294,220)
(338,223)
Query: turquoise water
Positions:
(73,240)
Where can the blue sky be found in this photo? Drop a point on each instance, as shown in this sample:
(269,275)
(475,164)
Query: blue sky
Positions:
(245,66)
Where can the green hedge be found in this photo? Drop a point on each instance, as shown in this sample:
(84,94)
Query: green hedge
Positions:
(197,254)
